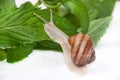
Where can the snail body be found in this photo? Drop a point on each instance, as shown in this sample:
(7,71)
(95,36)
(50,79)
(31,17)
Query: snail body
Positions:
(78,49)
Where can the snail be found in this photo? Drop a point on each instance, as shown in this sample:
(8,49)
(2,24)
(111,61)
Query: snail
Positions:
(78,50)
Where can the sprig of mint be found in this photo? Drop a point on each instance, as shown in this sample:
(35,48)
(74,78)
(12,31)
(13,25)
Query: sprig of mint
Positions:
(19,28)
(21,31)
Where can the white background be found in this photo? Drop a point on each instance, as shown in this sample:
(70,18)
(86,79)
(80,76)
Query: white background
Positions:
(50,65)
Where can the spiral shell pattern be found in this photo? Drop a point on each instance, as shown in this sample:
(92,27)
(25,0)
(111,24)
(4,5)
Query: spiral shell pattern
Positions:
(82,49)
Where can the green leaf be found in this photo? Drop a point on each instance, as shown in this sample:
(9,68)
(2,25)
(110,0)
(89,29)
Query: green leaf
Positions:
(98,27)
(19,53)
(63,24)
(5,4)
(19,35)
(48,45)
(99,8)
(80,12)
(3,55)
(20,27)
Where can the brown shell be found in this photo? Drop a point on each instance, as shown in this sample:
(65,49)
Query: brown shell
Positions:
(82,49)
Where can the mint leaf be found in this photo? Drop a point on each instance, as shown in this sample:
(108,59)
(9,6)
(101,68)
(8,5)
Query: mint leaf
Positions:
(48,45)
(19,35)
(63,24)
(5,4)
(80,12)
(19,28)
(98,27)
(99,8)
(19,53)
(3,55)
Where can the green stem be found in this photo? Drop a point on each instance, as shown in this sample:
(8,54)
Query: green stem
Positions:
(37,4)
(51,6)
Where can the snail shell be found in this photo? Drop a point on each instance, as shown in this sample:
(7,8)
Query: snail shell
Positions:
(82,49)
